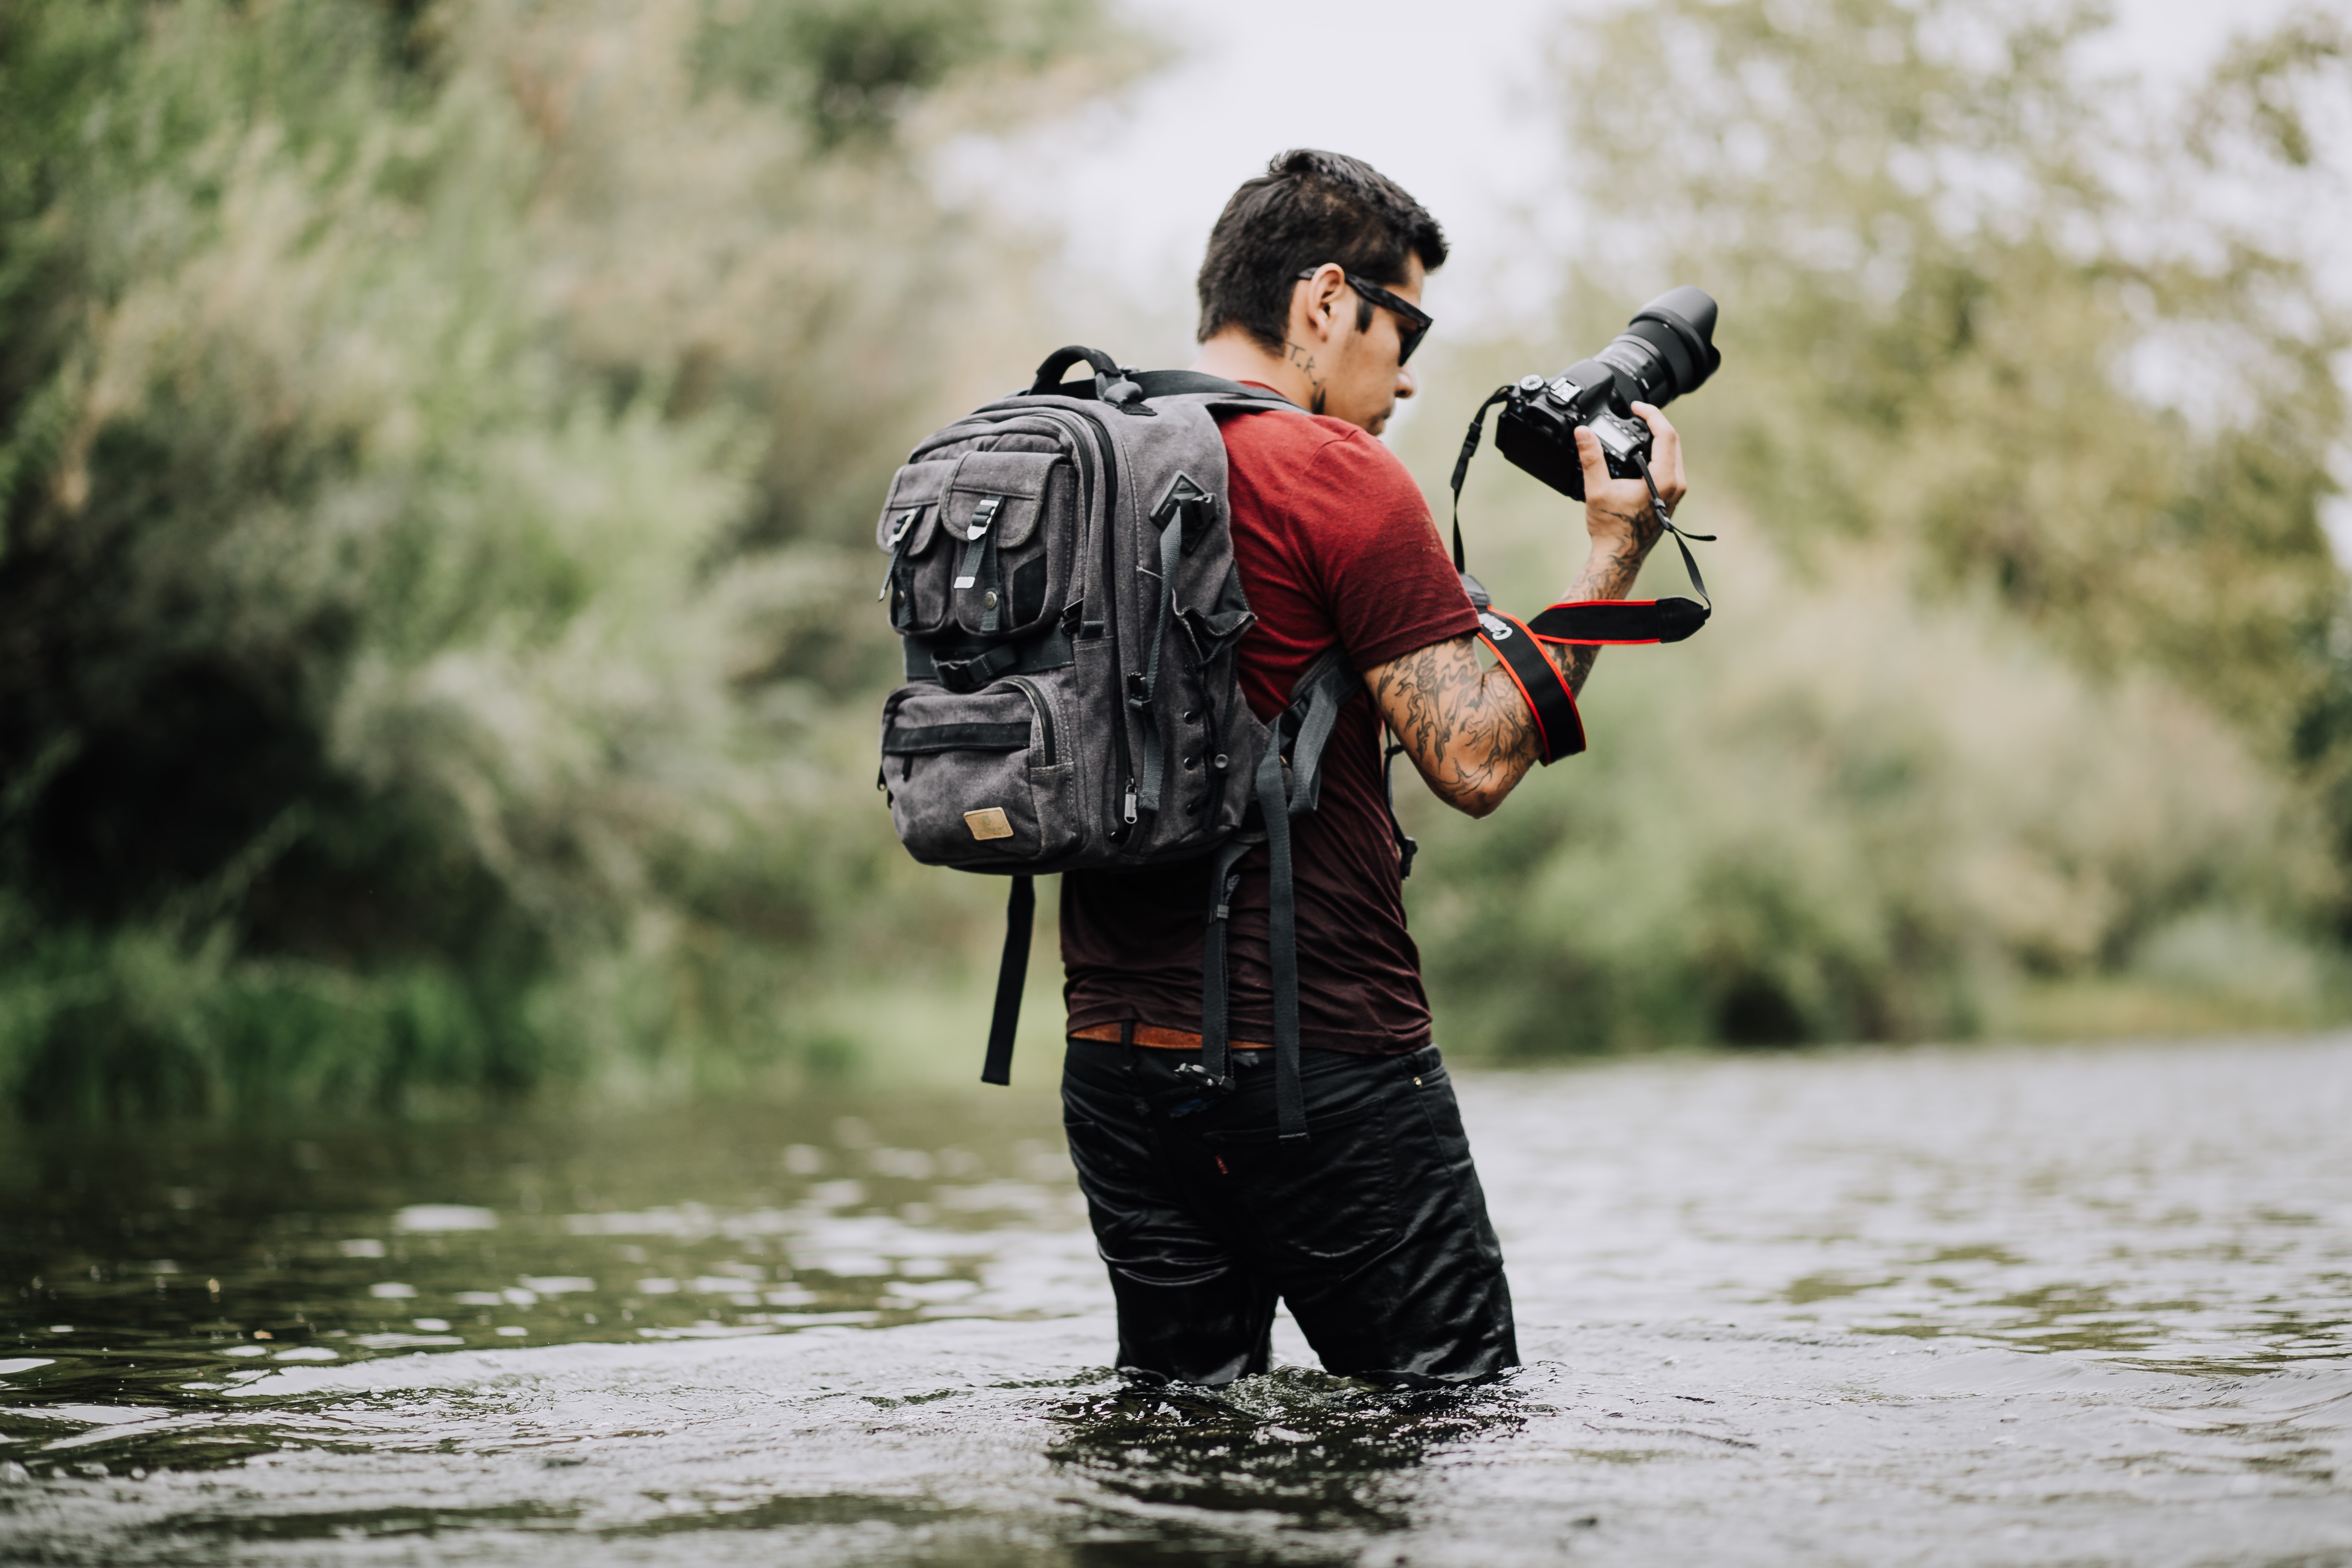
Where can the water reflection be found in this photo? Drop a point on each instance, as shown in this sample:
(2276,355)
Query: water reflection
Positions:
(326,1262)
(2040,1307)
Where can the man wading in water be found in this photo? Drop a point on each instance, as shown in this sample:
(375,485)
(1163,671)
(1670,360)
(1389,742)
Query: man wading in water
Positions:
(1374,1232)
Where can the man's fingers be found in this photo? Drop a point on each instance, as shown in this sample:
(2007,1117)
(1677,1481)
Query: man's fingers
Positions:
(1665,452)
(1588,453)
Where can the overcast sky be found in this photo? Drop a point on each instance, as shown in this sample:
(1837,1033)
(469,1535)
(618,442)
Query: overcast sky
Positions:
(1438,98)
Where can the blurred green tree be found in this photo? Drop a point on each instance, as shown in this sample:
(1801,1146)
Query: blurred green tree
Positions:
(2005,308)
(2017,362)
(429,437)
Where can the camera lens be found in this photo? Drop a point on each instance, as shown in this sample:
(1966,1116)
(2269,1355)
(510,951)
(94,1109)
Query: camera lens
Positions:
(1666,349)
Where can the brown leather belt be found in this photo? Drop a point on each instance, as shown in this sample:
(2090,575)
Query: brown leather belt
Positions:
(1134,1033)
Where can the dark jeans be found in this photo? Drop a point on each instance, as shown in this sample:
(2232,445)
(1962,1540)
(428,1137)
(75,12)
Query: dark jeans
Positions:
(1374,1231)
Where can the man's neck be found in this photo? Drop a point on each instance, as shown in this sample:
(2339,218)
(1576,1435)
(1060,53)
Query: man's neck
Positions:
(1234,355)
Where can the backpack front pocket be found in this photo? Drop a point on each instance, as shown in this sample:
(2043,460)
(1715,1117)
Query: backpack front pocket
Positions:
(916,589)
(980,780)
(1010,522)
(982,543)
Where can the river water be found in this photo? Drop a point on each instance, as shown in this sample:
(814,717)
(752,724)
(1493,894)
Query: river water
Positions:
(2078,1305)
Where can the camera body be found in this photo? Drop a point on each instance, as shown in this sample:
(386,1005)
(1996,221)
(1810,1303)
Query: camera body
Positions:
(1666,349)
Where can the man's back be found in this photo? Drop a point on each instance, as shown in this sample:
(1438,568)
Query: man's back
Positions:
(1335,546)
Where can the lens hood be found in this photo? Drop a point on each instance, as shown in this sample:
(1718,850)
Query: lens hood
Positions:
(1687,314)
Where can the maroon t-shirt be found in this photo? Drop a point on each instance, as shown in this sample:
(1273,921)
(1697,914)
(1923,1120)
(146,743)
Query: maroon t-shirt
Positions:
(1334,544)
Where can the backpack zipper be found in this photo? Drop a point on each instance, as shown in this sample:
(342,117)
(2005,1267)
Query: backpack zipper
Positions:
(1044,713)
(1109,480)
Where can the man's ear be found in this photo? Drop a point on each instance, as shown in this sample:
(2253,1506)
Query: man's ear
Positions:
(1320,300)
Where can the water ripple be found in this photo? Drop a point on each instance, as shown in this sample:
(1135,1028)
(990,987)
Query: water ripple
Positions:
(1968,1307)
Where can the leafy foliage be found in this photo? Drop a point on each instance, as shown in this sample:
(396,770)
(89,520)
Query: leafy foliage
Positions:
(425,443)
(437,445)
(2006,376)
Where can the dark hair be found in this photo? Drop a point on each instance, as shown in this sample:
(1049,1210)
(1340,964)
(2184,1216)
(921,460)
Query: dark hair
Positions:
(1308,208)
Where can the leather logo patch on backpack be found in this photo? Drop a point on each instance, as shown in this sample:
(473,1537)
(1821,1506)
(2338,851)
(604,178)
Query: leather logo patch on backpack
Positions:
(988,823)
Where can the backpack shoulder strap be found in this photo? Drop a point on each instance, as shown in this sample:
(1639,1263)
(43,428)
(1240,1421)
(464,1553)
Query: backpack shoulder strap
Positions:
(1178,383)
(1128,387)
(1328,685)
(1304,728)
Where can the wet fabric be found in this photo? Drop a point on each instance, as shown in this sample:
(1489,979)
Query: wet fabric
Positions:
(1374,1232)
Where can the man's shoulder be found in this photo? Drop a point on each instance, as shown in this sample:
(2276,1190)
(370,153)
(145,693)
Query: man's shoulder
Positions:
(1274,447)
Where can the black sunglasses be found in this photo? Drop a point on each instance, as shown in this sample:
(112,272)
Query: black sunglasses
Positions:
(1413,322)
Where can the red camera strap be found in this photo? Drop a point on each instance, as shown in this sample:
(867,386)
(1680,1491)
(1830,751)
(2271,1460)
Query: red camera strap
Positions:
(1558,728)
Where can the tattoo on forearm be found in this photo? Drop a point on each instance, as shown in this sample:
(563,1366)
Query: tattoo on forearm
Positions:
(1466,727)
(1574,662)
(1606,575)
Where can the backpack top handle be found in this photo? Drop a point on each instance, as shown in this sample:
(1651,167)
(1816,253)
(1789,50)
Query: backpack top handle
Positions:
(1049,374)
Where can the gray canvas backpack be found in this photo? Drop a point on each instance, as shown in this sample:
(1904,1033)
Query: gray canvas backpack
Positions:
(1062,579)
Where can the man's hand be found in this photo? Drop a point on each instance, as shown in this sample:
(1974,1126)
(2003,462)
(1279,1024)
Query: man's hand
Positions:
(1617,512)
(1465,726)
(1623,523)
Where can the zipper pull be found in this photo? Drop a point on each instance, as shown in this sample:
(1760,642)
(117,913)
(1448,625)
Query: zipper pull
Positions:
(1130,798)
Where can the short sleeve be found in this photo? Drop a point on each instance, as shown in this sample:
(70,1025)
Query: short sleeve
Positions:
(1390,586)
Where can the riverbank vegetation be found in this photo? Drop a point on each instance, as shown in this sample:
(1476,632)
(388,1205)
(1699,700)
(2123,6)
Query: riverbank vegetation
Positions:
(438,447)
(2038,720)
(436,441)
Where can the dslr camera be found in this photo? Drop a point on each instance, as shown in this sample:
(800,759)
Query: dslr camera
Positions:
(1666,349)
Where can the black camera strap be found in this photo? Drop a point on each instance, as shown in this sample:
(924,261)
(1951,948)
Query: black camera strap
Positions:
(1597,622)
(1462,469)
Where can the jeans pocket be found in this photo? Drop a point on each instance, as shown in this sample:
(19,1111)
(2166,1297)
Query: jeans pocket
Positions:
(1330,1202)
(1434,1156)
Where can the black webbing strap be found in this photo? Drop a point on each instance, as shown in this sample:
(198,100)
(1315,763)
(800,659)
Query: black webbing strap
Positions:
(1216,1064)
(893,594)
(1011,976)
(1140,687)
(961,664)
(1175,383)
(1314,704)
(1407,847)
(1282,940)
(993,610)
(979,551)
(1049,374)
(1301,731)
(1462,469)
(1231,396)
(1559,730)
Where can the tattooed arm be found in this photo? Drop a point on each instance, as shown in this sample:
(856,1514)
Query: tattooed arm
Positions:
(1466,726)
